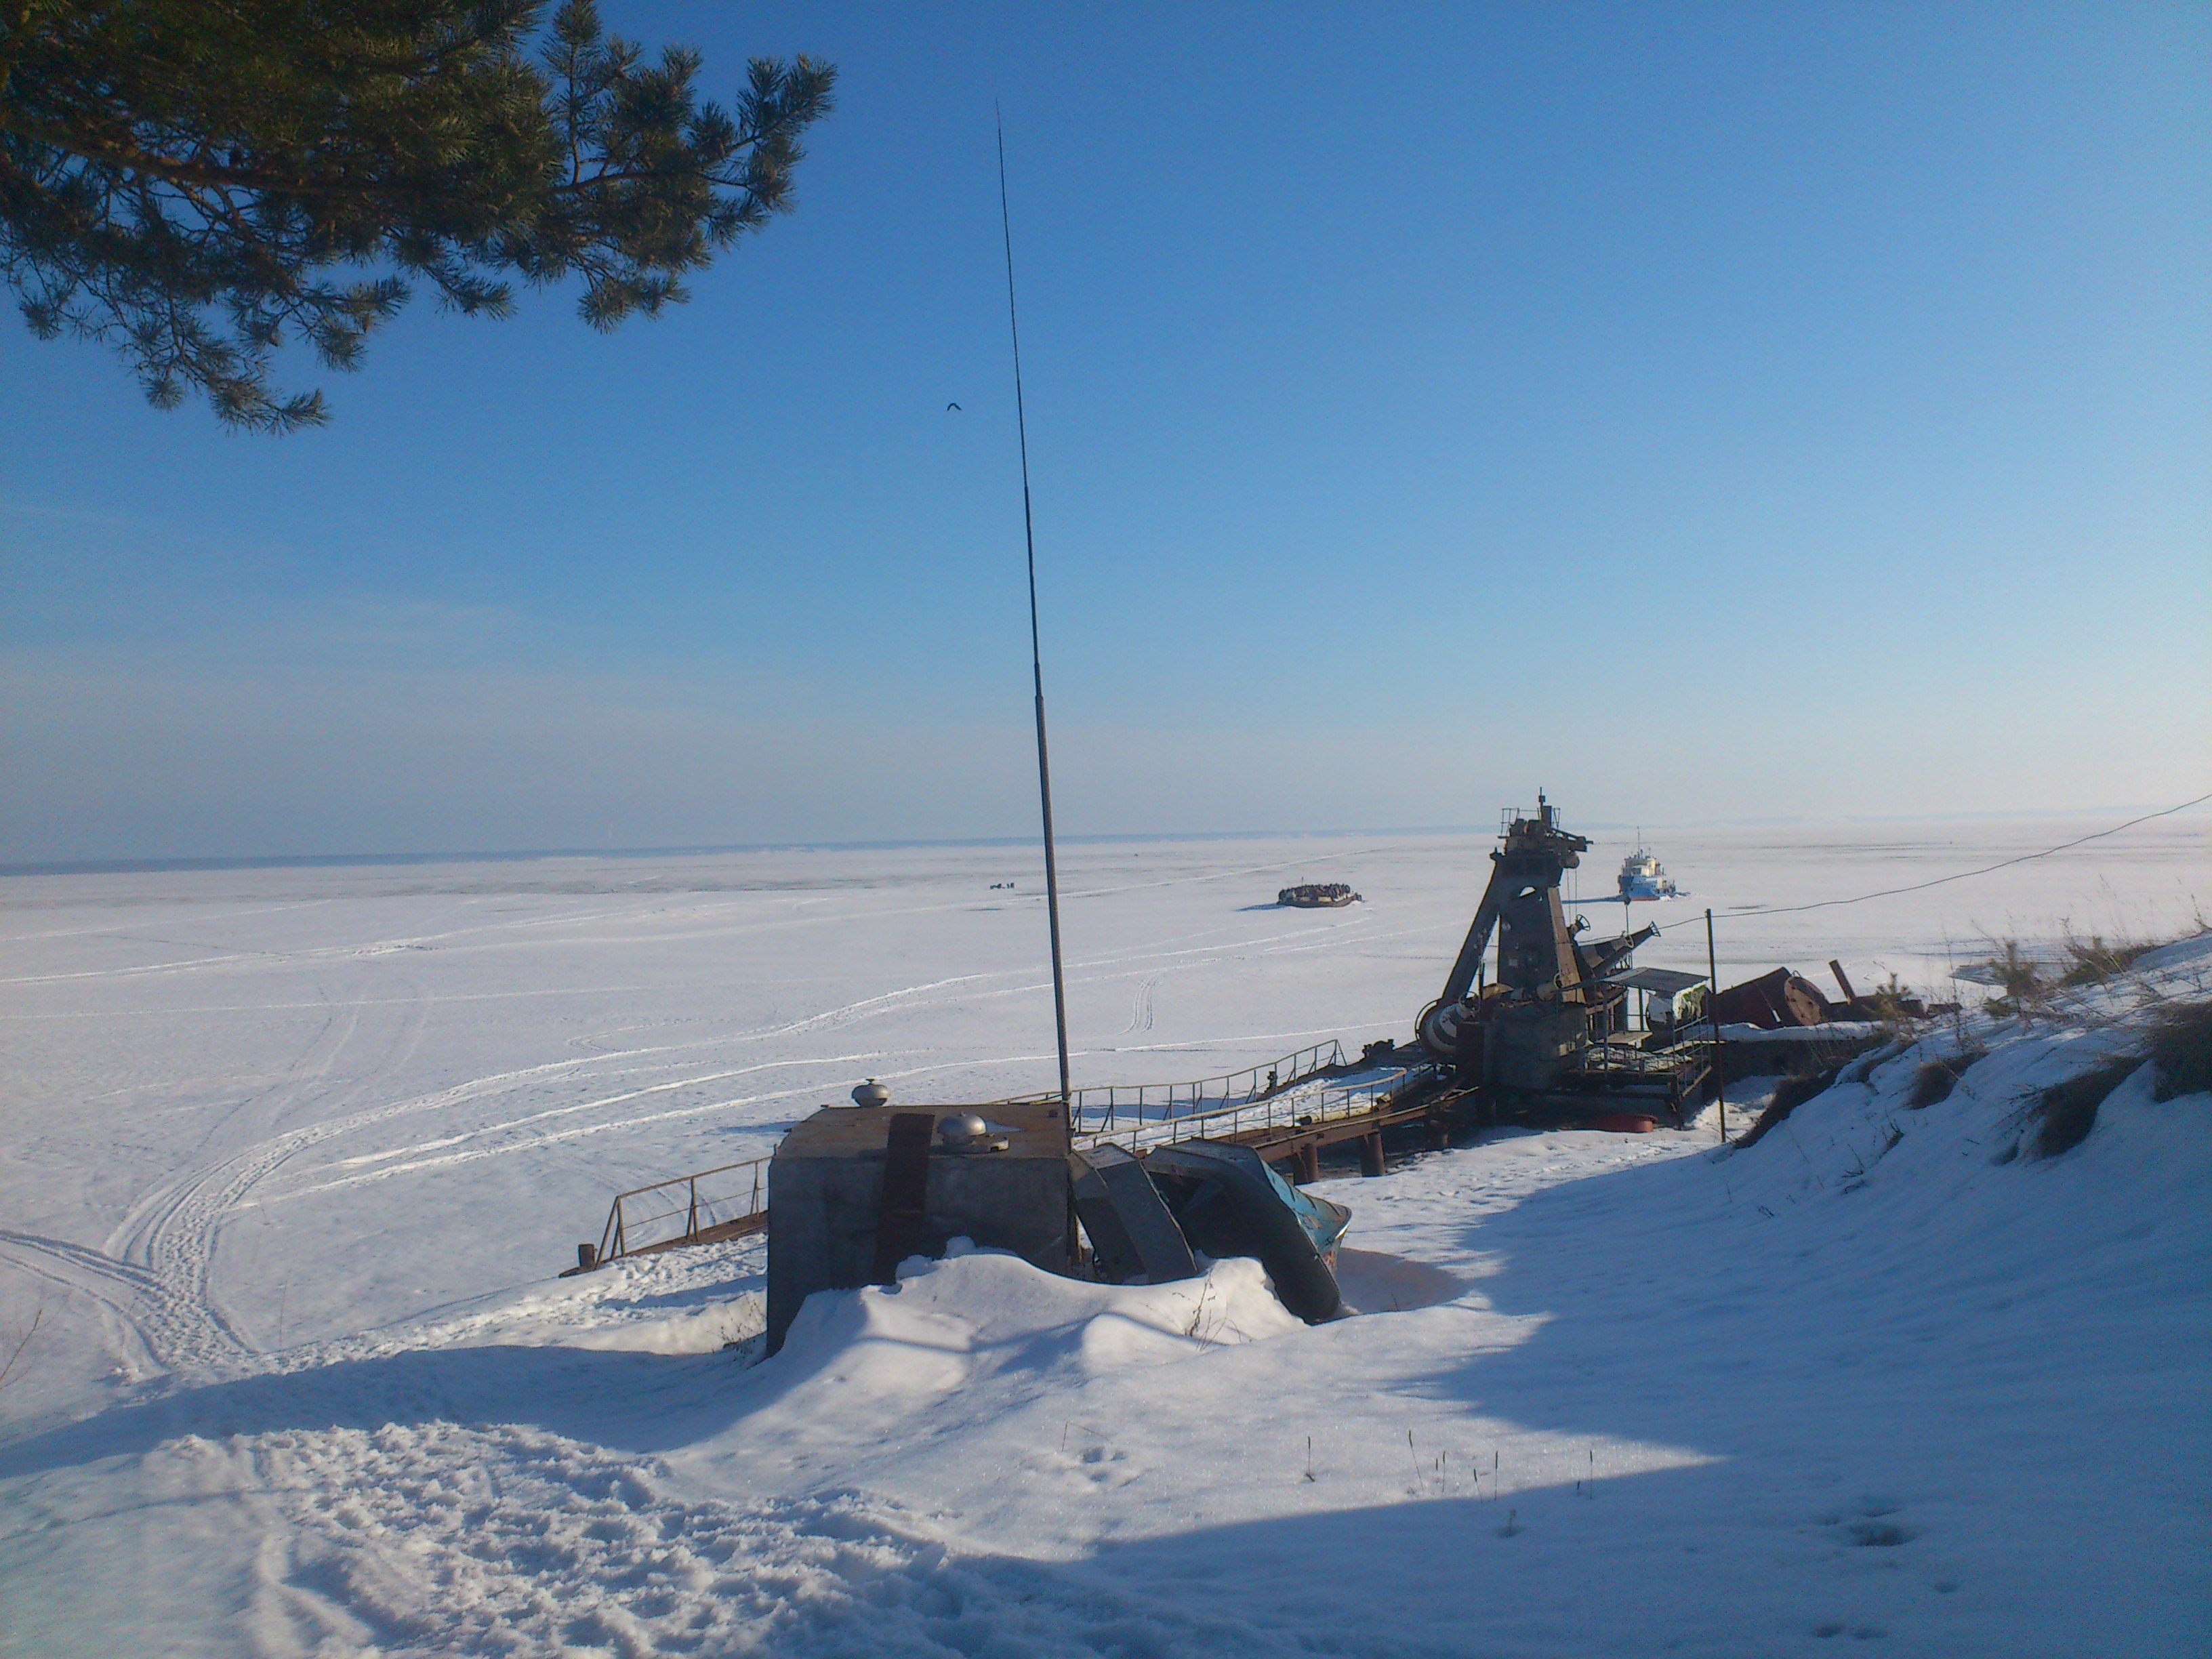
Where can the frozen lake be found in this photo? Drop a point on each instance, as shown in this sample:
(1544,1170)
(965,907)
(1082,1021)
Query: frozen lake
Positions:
(340,1096)
(256,1116)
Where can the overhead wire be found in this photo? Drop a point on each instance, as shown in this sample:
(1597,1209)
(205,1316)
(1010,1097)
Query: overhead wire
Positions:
(1963,875)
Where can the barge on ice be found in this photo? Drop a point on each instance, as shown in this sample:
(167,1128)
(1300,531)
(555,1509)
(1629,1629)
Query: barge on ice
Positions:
(1317,896)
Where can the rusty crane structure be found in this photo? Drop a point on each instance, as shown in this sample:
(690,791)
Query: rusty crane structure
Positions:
(1535,1034)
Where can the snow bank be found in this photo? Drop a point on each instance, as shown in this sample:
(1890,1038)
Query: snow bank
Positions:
(988,1321)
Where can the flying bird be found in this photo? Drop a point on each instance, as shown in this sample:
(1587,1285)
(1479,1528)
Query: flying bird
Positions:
(954,406)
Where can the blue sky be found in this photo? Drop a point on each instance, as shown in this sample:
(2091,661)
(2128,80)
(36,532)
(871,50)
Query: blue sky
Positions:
(1699,411)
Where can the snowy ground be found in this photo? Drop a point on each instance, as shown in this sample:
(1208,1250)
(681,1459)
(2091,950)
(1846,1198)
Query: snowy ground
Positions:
(289,1156)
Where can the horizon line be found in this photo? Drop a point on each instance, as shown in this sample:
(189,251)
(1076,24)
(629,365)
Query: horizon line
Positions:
(174,865)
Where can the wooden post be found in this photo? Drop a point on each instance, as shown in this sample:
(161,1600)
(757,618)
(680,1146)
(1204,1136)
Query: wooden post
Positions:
(1713,1013)
(1309,1162)
(1371,1153)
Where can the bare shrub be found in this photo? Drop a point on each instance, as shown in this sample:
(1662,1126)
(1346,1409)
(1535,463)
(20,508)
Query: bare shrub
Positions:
(1936,1080)
(2092,961)
(2181,1048)
(2068,1111)
(1791,1093)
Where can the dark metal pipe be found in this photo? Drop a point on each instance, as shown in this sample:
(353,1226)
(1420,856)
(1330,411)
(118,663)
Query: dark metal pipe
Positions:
(1712,1013)
(1036,659)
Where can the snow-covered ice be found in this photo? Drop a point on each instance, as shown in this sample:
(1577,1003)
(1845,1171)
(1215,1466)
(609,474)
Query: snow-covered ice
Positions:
(292,1154)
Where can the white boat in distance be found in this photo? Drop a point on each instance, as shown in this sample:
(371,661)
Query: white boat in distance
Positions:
(1643,877)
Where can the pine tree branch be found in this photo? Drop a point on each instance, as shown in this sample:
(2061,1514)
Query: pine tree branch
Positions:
(174,174)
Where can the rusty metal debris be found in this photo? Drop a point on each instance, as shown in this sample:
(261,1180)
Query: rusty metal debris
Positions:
(1782,999)
(1771,1001)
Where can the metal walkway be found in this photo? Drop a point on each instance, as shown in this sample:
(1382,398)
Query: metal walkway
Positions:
(1290,1117)
(1110,1107)
(1297,1124)
(1279,1107)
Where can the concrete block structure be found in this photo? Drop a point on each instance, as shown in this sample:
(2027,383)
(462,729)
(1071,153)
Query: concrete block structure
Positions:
(855,1190)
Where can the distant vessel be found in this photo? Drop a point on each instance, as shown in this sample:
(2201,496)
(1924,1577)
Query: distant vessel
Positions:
(1643,877)
(1317,896)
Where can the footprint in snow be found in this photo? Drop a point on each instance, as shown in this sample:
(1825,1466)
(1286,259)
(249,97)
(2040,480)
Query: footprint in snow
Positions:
(1869,1527)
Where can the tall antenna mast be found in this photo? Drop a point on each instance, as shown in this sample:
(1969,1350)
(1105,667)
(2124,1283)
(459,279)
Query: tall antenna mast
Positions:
(1037,660)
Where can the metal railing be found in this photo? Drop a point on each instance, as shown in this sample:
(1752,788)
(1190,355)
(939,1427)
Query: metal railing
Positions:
(1101,1108)
(644,1217)
(1606,1055)
(715,1203)
(1286,1112)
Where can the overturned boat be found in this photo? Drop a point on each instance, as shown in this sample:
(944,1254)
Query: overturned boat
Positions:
(1227,1201)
